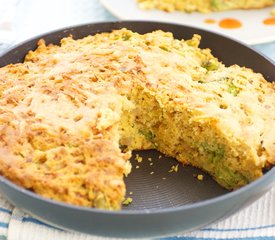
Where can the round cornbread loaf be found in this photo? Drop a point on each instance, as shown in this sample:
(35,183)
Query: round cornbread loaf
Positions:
(71,114)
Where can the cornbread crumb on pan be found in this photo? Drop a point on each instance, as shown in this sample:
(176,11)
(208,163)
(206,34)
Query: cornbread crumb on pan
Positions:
(174,168)
(71,115)
(200,177)
(127,201)
(203,6)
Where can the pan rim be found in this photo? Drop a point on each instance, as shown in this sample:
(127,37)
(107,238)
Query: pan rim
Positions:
(269,175)
(70,27)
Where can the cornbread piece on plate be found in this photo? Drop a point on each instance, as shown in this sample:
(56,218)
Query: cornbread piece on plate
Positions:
(203,6)
(71,114)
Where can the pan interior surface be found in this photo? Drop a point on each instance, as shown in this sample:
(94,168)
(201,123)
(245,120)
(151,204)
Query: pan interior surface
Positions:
(158,181)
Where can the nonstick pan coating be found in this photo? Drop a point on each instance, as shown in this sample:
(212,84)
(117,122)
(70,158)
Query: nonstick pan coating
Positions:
(164,202)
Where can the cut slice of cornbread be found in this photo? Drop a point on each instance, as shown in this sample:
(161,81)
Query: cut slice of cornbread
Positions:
(203,6)
(71,114)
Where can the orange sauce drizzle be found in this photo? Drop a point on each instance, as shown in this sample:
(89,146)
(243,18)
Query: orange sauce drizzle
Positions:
(230,23)
(210,21)
(269,21)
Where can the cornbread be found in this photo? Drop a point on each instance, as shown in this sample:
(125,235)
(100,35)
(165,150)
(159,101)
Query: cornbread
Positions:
(203,6)
(71,115)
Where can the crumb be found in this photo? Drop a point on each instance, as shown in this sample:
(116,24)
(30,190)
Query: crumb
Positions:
(150,159)
(160,156)
(138,158)
(164,178)
(151,164)
(127,201)
(151,173)
(157,186)
(174,168)
(137,166)
(130,193)
(200,177)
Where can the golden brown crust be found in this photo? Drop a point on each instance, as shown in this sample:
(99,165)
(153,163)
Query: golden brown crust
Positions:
(64,111)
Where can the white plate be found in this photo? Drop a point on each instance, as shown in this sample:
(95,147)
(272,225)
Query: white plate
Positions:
(253,30)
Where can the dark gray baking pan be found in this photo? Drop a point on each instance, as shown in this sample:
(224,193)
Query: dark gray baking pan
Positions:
(164,203)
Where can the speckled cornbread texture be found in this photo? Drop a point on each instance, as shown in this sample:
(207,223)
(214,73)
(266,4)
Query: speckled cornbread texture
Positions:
(71,114)
(203,5)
